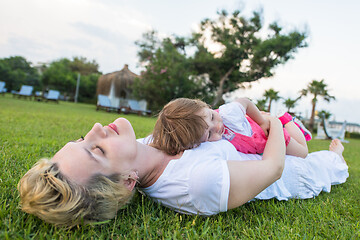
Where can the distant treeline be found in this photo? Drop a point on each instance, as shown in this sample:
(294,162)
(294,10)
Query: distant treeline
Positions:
(59,75)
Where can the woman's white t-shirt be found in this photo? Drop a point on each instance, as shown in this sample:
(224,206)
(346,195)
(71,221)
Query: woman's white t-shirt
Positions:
(199,182)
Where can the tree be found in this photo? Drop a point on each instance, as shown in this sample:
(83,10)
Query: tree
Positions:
(242,55)
(168,72)
(261,104)
(325,113)
(89,71)
(317,89)
(271,95)
(290,103)
(83,66)
(62,75)
(16,71)
(87,88)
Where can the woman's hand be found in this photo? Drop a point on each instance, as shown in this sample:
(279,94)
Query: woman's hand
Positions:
(249,178)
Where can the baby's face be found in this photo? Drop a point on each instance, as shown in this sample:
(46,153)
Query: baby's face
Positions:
(215,128)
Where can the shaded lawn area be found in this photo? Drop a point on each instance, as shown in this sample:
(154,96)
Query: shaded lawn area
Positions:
(30,130)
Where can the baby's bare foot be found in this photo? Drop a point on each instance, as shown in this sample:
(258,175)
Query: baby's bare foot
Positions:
(337,147)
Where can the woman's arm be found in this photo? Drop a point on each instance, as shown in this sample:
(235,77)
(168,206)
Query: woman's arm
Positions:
(249,178)
(254,113)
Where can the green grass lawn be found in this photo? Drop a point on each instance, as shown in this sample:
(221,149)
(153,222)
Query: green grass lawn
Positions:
(30,130)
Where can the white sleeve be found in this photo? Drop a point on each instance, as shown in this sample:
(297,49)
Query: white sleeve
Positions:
(209,187)
(234,117)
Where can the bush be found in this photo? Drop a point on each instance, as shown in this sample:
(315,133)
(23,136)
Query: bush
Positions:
(352,135)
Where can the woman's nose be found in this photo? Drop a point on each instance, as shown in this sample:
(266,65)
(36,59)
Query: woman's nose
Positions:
(97,130)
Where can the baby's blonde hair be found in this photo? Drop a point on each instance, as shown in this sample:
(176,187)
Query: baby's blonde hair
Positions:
(179,126)
(48,194)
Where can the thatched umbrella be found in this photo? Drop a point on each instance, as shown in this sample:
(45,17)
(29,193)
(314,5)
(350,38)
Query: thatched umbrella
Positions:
(121,80)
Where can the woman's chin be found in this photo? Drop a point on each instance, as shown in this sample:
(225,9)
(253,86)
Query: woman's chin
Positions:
(121,121)
(124,126)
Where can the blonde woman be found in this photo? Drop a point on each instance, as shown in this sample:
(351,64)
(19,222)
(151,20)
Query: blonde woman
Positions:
(90,179)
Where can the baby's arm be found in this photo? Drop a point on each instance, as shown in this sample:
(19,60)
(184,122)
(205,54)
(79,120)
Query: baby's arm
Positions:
(253,112)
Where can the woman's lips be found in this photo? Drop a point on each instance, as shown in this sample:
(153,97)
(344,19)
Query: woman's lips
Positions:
(113,127)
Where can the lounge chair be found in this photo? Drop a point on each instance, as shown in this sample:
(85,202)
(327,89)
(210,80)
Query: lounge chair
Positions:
(326,132)
(2,88)
(104,103)
(53,95)
(135,108)
(25,91)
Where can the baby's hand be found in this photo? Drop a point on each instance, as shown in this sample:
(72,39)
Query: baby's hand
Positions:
(266,126)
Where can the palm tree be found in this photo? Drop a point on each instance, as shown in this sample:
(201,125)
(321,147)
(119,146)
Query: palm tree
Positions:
(261,104)
(290,103)
(325,113)
(317,89)
(271,95)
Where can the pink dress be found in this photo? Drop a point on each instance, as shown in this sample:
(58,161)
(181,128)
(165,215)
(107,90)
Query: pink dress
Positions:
(240,130)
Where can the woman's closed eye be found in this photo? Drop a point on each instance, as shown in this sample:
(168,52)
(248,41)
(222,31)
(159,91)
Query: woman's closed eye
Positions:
(99,149)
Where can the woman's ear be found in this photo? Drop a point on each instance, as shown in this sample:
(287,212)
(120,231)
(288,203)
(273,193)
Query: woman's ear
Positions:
(131,180)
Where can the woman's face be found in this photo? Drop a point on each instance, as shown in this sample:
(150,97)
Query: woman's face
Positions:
(106,150)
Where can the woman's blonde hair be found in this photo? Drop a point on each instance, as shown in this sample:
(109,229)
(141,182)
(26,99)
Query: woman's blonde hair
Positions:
(48,194)
(179,126)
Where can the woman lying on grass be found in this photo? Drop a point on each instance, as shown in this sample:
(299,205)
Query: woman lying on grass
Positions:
(90,179)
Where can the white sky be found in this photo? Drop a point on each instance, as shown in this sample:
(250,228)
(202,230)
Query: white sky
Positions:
(105,30)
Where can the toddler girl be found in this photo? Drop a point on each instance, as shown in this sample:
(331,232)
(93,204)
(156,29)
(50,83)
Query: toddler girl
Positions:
(185,123)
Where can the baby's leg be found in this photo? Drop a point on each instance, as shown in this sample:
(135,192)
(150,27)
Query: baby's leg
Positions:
(286,118)
(297,145)
(296,149)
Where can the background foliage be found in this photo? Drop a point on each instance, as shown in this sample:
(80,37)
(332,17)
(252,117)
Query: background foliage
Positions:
(167,73)
(16,71)
(220,57)
(224,54)
(59,75)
